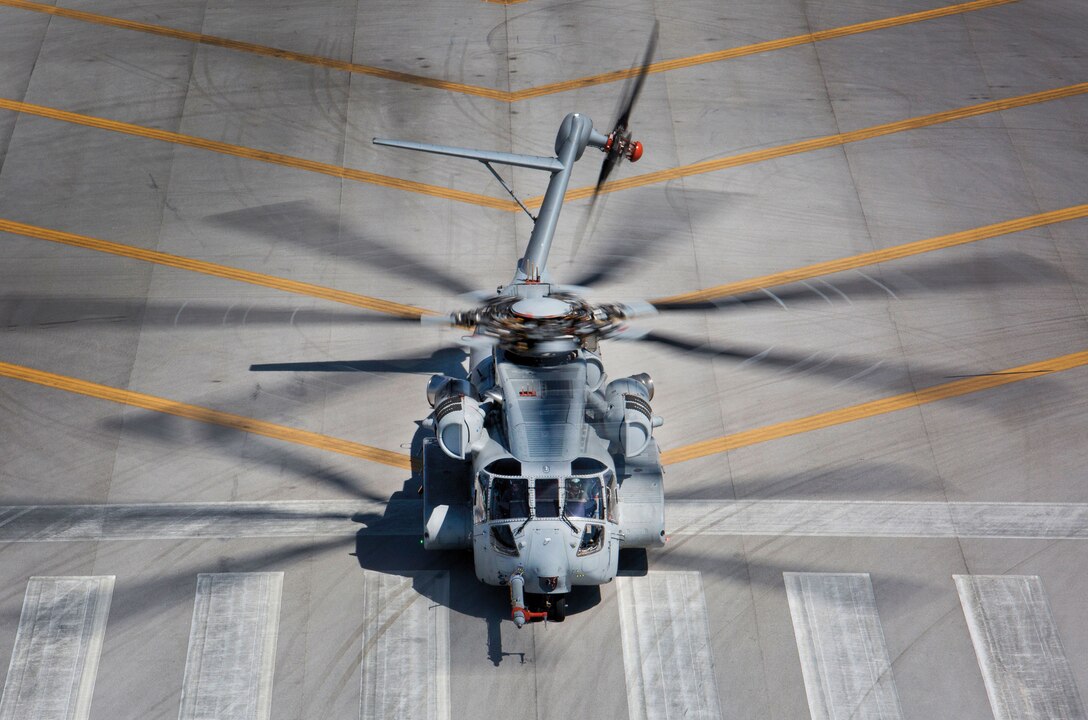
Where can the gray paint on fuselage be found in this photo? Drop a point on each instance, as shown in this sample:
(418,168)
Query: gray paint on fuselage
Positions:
(545,410)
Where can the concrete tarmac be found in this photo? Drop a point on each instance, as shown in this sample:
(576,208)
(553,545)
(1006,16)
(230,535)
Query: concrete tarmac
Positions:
(922,557)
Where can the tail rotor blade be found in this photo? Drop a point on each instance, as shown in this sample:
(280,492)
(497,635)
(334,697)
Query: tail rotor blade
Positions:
(624,116)
(619,140)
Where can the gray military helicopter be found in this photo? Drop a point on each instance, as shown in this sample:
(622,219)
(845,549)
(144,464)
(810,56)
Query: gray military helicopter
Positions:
(538,463)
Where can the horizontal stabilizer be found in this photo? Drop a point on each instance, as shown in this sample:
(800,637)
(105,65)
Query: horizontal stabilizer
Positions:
(534,162)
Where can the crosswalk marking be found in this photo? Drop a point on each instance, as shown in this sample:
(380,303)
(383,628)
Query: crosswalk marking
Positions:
(57,647)
(667,650)
(667,656)
(1016,642)
(406,647)
(232,647)
(844,659)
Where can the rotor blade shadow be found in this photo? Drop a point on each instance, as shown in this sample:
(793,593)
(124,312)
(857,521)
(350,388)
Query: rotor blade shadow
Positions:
(895,378)
(44,311)
(751,568)
(996,270)
(825,365)
(856,481)
(170,430)
(304,223)
(133,600)
(617,248)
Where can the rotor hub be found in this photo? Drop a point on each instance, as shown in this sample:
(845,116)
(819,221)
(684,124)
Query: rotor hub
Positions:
(541,308)
(547,326)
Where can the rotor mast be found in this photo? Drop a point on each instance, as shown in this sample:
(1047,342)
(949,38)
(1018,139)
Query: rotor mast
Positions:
(575,133)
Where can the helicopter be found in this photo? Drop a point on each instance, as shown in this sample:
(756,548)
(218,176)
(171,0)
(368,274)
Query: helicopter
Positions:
(538,463)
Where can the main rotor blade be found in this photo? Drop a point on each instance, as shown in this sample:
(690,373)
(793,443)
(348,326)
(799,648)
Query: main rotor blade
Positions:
(446,361)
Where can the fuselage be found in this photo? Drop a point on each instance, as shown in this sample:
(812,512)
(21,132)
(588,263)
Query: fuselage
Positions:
(544,483)
(553,469)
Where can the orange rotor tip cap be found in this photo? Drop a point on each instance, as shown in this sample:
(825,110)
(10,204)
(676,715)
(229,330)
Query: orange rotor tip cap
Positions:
(635,152)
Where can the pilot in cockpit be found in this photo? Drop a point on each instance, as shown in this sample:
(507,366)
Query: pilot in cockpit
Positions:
(583,497)
(576,498)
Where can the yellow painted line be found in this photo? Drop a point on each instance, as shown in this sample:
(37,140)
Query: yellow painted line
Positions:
(207,268)
(253,154)
(503,95)
(651,178)
(944,391)
(205,415)
(756,48)
(255,49)
(827,141)
(853,262)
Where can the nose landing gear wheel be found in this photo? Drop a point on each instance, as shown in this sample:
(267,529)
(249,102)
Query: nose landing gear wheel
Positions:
(557,610)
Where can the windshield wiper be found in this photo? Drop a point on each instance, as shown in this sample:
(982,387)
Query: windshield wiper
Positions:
(522,526)
(571,525)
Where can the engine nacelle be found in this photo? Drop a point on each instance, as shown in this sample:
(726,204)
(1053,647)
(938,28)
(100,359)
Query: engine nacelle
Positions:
(630,418)
(458,417)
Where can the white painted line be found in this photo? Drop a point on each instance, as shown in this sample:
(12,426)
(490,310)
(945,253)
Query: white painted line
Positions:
(1019,652)
(57,646)
(169,521)
(816,518)
(667,656)
(801,518)
(844,659)
(232,647)
(405,671)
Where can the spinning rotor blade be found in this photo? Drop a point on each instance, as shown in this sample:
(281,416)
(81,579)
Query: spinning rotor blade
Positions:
(618,139)
(624,116)
(441,361)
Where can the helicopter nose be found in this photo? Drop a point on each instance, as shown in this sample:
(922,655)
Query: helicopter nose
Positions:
(546,561)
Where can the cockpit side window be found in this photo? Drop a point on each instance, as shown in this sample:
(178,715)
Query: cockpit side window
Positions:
(547,497)
(509,498)
(479,496)
(592,539)
(613,500)
(583,498)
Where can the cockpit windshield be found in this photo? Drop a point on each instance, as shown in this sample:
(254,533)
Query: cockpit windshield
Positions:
(509,498)
(547,497)
(583,497)
(517,498)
